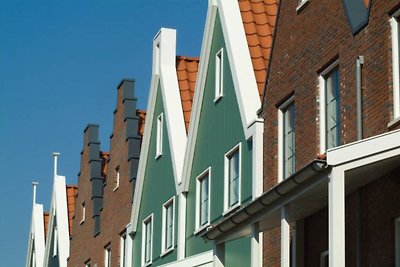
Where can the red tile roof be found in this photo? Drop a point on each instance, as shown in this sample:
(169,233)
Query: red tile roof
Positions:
(259,18)
(186,70)
(71,191)
(142,118)
(46,223)
(104,156)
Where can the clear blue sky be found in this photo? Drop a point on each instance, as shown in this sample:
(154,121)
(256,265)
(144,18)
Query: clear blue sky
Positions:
(60,63)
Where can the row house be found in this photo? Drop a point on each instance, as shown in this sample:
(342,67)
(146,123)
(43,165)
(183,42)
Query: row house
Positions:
(331,139)
(50,232)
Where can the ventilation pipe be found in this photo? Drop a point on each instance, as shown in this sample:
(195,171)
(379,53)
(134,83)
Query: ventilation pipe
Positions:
(359,63)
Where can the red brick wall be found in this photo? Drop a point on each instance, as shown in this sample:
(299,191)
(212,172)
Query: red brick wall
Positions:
(305,43)
(117,204)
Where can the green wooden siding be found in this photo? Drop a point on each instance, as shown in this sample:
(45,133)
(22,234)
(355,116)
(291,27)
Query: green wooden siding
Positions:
(238,253)
(220,129)
(158,187)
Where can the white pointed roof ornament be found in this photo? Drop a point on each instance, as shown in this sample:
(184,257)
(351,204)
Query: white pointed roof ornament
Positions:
(55,155)
(34,184)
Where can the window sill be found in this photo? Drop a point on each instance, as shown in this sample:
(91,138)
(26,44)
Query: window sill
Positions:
(201,229)
(302,5)
(217,99)
(231,209)
(158,156)
(167,251)
(395,122)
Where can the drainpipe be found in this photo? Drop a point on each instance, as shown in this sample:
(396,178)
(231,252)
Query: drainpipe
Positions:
(359,63)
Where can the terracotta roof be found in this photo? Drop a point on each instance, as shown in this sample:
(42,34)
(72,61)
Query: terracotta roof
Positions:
(46,223)
(71,191)
(259,18)
(104,158)
(142,118)
(186,70)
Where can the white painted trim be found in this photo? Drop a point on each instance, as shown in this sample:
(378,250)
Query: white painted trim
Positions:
(181,244)
(227,208)
(281,110)
(394,24)
(301,5)
(123,238)
(256,246)
(148,220)
(219,75)
(397,240)
(159,137)
(285,239)
(83,212)
(107,255)
(129,244)
(169,203)
(36,242)
(117,178)
(198,227)
(258,156)
(204,259)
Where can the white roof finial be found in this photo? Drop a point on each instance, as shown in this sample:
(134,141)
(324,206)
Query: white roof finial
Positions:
(34,184)
(55,155)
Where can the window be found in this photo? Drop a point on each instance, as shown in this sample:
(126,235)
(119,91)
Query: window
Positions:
(147,240)
(116,181)
(55,242)
(394,23)
(83,213)
(168,226)
(329,108)
(219,77)
(286,128)
(159,135)
(232,178)
(324,259)
(122,250)
(107,256)
(203,199)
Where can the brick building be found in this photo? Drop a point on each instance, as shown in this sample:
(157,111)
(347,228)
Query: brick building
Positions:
(105,187)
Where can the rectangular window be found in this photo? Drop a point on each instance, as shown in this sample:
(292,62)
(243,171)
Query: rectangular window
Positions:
(159,135)
(286,128)
(107,256)
(330,108)
(83,212)
(219,70)
(116,179)
(168,225)
(232,178)
(203,199)
(147,240)
(122,250)
(394,23)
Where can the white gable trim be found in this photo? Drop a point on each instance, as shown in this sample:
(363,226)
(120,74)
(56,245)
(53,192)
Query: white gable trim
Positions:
(164,74)
(36,241)
(242,73)
(58,217)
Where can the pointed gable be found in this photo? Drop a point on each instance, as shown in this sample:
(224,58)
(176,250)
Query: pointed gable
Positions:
(186,70)
(259,19)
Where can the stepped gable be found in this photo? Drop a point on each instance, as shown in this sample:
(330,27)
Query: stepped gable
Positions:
(186,70)
(259,20)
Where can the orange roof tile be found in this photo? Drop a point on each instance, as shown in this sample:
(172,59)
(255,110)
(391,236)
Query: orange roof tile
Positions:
(186,70)
(142,118)
(46,223)
(259,18)
(104,158)
(71,191)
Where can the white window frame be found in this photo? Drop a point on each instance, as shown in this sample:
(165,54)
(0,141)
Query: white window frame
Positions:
(219,75)
(159,133)
(148,220)
(322,103)
(83,212)
(122,249)
(397,240)
(227,207)
(322,257)
(107,256)
(87,263)
(199,180)
(301,4)
(395,24)
(170,203)
(117,178)
(281,144)
(55,241)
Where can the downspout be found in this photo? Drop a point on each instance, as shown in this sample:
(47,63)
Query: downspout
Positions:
(359,63)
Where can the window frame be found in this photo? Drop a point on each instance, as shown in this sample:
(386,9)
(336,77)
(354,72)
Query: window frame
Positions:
(283,108)
(395,28)
(107,255)
(83,212)
(199,180)
(219,75)
(55,242)
(117,178)
(159,135)
(149,220)
(122,249)
(322,78)
(227,193)
(170,203)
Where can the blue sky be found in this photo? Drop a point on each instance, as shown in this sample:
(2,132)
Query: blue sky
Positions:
(60,63)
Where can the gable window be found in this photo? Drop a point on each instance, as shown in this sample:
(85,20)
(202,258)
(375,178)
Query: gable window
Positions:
(107,256)
(203,200)
(329,108)
(116,179)
(160,122)
(83,213)
(168,226)
(232,178)
(147,240)
(219,77)
(286,128)
(395,27)
(122,250)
